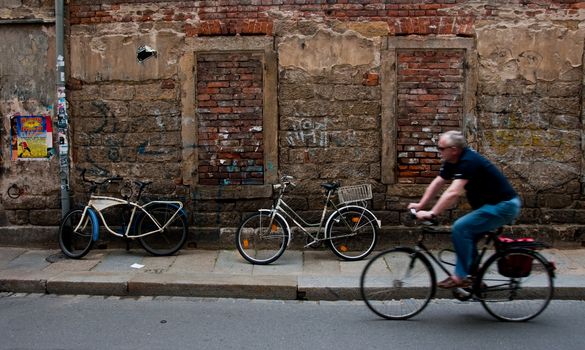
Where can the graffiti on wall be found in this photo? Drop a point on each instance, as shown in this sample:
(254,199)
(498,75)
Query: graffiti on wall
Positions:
(31,137)
(314,133)
(308,132)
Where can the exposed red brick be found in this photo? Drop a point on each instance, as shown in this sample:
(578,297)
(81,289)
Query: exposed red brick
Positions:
(371,79)
(230,119)
(429,102)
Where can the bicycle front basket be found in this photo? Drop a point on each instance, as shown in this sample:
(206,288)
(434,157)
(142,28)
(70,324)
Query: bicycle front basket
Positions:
(357,193)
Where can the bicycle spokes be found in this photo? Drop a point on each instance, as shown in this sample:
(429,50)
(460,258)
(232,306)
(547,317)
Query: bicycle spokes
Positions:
(352,233)
(261,238)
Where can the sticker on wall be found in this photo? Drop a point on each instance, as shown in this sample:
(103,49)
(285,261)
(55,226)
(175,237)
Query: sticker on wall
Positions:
(31,137)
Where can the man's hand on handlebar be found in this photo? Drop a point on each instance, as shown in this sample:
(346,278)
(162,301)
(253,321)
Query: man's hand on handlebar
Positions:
(416,211)
(426,217)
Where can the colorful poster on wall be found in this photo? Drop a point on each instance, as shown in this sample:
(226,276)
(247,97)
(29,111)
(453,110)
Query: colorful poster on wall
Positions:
(31,137)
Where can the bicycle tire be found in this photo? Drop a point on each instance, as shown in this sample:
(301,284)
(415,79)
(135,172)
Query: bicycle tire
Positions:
(352,233)
(515,299)
(261,238)
(171,239)
(397,284)
(76,244)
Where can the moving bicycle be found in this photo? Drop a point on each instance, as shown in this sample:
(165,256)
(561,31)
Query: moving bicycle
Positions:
(159,226)
(515,283)
(495,203)
(348,227)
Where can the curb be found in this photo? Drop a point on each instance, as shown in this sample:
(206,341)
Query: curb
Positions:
(207,286)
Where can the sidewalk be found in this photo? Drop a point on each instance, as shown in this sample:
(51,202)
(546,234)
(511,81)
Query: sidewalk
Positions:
(307,274)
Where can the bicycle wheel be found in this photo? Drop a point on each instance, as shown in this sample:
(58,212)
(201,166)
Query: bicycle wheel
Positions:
(352,233)
(76,243)
(169,240)
(398,283)
(261,238)
(517,294)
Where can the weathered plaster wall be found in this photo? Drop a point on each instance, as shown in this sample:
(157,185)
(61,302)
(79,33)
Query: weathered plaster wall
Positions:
(108,52)
(323,85)
(126,118)
(529,111)
(326,49)
(329,108)
(27,88)
(27,10)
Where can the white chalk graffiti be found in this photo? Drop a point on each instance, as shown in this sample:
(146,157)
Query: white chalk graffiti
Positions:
(316,133)
(308,132)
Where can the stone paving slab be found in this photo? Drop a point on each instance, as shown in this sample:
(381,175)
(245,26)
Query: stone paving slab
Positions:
(30,260)
(157,264)
(195,261)
(72,265)
(230,262)
(316,262)
(119,261)
(290,263)
(9,254)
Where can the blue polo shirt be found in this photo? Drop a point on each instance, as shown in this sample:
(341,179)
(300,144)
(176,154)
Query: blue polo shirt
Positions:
(486,183)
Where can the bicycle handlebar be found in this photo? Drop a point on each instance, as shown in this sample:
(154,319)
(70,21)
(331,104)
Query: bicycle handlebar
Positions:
(431,222)
(288,180)
(285,180)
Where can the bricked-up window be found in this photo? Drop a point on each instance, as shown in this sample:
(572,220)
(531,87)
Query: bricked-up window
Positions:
(230,119)
(430,87)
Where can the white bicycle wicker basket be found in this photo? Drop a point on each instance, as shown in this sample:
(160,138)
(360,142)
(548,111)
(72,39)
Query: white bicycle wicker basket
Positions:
(357,193)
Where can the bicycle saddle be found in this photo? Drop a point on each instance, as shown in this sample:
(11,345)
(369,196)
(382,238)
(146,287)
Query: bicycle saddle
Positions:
(330,186)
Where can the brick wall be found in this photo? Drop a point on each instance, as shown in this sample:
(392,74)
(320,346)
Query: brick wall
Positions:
(229,109)
(256,17)
(430,101)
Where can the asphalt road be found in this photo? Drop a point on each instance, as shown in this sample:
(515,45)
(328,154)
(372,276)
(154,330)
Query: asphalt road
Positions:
(37,321)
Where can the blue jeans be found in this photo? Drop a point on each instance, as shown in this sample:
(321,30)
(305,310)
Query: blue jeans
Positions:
(468,229)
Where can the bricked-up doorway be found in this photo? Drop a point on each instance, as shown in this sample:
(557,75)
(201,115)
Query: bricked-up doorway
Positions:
(430,101)
(230,119)
(229,110)
(428,89)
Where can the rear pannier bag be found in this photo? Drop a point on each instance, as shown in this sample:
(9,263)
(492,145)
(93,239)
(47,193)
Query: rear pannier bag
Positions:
(515,265)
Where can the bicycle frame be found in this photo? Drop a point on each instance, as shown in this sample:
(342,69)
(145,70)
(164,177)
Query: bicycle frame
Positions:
(421,248)
(97,204)
(284,211)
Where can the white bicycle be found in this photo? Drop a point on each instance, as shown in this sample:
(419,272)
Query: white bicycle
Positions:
(159,226)
(350,229)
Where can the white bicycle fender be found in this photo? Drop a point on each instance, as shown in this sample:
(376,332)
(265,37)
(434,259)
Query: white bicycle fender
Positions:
(288,232)
(378,221)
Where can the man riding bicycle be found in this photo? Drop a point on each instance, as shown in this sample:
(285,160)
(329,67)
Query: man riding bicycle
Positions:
(494,201)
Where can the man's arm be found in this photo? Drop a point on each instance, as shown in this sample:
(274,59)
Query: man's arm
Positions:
(450,196)
(447,200)
(430,193)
